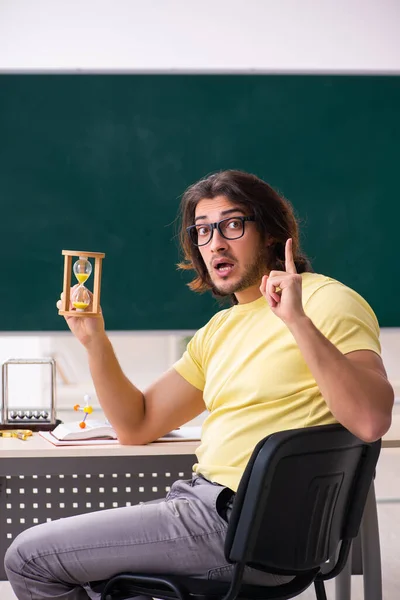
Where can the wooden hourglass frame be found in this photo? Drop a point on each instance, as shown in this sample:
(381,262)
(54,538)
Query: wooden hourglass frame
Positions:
(65,302)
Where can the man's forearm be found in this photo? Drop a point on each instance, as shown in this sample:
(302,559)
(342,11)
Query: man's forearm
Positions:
(359,398)
(121,401)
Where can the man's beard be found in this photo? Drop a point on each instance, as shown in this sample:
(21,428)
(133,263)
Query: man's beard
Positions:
(252,276)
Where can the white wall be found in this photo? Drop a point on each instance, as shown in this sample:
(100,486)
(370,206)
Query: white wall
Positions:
(143,358)
(207,35)
(187,36)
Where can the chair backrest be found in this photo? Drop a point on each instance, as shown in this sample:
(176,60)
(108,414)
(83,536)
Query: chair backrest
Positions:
(302,492)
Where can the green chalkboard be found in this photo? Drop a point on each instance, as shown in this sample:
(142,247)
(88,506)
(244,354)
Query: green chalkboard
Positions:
(98,162)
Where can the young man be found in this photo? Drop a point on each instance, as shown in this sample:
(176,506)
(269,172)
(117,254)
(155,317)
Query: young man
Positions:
(296,349)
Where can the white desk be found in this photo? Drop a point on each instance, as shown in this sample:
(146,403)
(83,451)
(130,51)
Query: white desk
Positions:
(38,447)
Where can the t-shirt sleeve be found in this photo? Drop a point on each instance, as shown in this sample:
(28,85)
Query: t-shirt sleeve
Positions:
(190,365)
(344,318)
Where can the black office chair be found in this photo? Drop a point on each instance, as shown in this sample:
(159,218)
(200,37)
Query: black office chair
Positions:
(299,504)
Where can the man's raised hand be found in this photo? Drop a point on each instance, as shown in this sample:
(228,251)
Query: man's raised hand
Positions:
(283,289)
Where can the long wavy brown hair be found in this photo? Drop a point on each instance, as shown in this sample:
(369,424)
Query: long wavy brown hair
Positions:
(274,219)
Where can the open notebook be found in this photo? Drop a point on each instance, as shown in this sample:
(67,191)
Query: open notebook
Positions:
(178,435)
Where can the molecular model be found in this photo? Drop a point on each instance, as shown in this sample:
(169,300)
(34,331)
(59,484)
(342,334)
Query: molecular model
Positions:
(87,409)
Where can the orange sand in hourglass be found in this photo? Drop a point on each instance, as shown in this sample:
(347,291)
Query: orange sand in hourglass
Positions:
(81,303)
(82,271)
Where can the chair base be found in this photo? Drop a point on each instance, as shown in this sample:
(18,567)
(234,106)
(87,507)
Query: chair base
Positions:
(168,587)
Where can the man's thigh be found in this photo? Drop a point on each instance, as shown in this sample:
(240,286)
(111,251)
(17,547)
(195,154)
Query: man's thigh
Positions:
(179,534)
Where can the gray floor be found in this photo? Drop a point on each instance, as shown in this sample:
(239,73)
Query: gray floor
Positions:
(387,487)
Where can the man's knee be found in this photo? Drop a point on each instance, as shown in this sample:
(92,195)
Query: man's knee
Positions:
(13,559)
(22,550)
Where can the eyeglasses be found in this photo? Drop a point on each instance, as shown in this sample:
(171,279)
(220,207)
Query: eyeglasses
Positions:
(231,228)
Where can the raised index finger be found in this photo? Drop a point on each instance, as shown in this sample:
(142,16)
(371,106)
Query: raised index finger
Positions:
(290,267)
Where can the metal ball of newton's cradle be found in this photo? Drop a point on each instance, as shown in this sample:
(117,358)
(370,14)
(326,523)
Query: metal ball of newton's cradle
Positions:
(82,271)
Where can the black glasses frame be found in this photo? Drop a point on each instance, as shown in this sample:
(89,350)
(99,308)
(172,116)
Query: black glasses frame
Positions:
(217,225)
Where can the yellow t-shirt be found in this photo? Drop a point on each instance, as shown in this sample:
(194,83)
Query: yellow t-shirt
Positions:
(253,375)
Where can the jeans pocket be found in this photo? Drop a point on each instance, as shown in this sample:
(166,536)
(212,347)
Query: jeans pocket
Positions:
(222,573)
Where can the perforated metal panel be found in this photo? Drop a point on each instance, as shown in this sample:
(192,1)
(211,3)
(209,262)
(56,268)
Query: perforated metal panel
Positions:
(37,490)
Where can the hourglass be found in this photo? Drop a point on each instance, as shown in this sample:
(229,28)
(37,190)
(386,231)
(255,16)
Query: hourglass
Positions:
(80,297)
